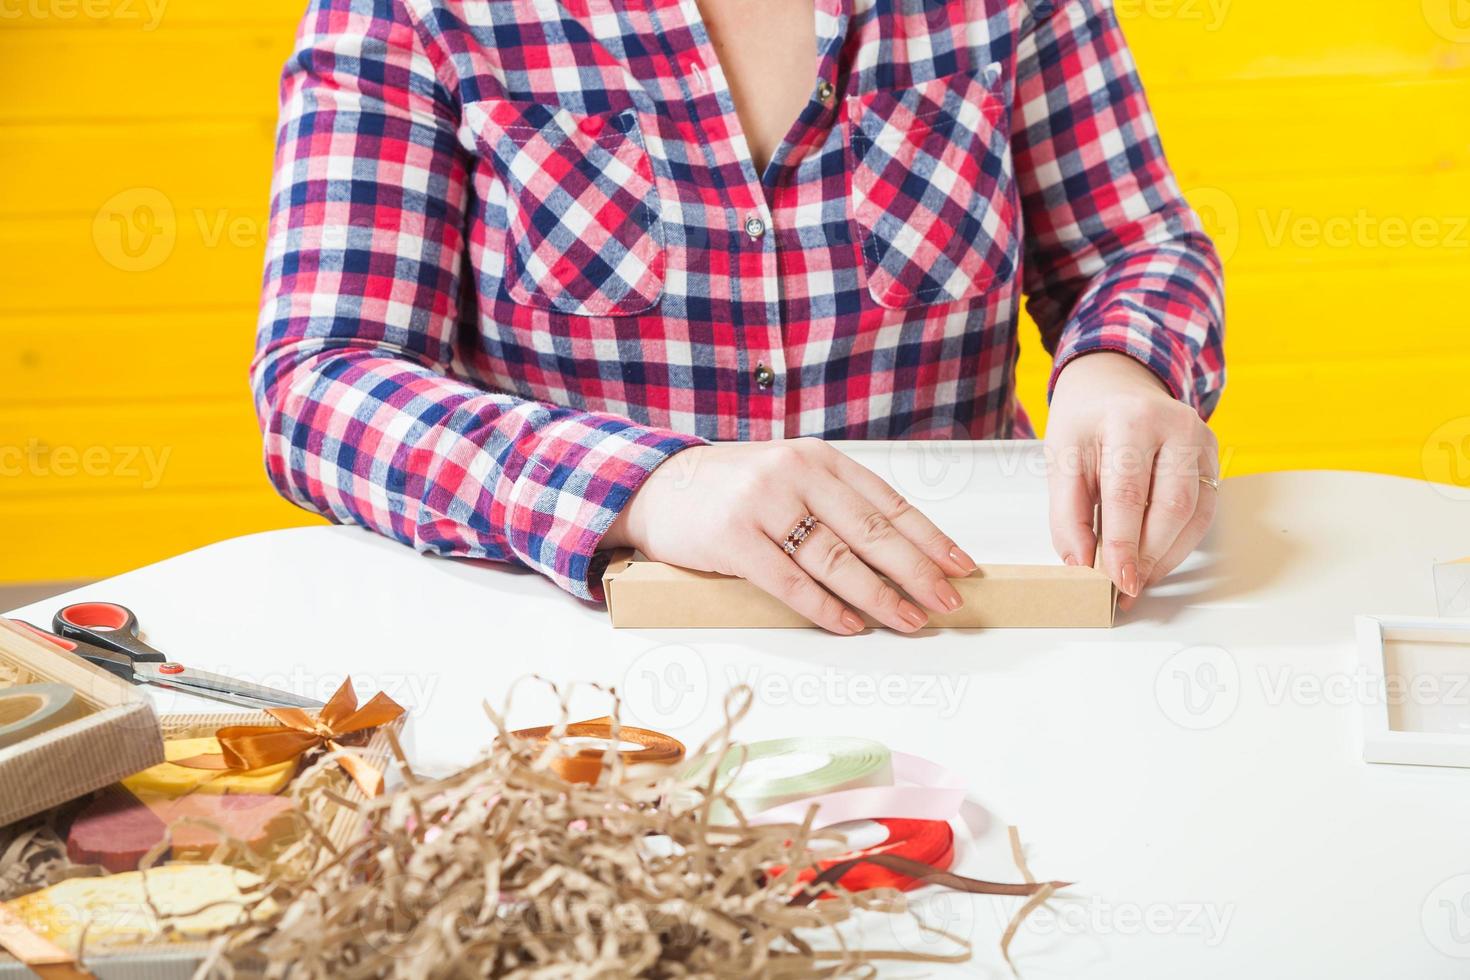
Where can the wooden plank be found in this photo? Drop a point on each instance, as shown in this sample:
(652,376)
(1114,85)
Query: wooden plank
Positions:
(143,449)
(1213,135)
(1370,222)
(138,252)
(1393,460)
(55,16)
(1282,317)
(58,539)
(181,72)
(86,452)
(142,251)
(208,164)
(1188,41)
(1336,408)
(1404,402)
(138,357)
(1294,129)
(1315,314)
(1273,319)
(190,65)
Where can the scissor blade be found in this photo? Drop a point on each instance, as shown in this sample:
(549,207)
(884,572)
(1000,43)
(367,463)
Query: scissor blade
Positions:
(218,686)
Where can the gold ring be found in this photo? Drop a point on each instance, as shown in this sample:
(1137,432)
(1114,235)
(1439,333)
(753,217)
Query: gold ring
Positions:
(798,534)
(1210,482)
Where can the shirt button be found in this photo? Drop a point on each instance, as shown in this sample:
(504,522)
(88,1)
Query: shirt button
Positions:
(764,377)
(694,71)
(754,226)
(825,90)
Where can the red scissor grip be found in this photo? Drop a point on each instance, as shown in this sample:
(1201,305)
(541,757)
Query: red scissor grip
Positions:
(41,634)
(95,614)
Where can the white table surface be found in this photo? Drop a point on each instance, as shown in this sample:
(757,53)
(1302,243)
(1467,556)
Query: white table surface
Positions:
(1195,769)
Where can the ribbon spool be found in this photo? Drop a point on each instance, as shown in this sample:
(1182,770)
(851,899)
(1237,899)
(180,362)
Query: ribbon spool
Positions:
(844,779)
(585,765)
(31,709)
(929,842)
(765,775)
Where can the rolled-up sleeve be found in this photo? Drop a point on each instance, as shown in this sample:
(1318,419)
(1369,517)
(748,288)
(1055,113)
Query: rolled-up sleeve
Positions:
(362,416)
(1116,259)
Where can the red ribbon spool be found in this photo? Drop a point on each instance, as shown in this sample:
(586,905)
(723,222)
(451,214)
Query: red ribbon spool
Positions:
(929,842)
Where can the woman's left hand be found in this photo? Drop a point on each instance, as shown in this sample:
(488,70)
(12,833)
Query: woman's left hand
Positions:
(1115,436)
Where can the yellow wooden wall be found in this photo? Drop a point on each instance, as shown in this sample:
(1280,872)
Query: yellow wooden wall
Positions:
(1327,142)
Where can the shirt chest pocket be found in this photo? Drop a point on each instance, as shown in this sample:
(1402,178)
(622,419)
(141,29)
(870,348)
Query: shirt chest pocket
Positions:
(583,232)
(932,189)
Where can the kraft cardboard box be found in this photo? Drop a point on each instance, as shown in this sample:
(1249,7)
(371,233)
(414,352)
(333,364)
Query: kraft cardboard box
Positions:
(652,595)
(176,958)
(108,729)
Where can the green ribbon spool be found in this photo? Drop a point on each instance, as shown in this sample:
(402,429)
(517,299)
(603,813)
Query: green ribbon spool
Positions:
(765,774)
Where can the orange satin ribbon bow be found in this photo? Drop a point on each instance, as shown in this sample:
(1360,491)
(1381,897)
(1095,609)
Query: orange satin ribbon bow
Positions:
(257,746)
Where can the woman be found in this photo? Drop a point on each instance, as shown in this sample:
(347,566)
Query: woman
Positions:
(524,252)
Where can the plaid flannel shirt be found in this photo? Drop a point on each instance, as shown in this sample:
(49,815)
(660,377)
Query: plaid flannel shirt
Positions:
(519,253)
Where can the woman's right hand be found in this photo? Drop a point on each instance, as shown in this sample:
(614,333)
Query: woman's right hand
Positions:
(727,508)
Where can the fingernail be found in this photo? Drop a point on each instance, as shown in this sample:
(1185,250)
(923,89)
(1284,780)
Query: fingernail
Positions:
(1071,560)
(949,597)
(958,556)
(1130,578)
(852,621)
(912,614)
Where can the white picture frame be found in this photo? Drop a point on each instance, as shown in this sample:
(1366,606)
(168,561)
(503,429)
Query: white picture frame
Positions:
(1418,712)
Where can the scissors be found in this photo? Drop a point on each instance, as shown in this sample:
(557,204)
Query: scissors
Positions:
(106,634)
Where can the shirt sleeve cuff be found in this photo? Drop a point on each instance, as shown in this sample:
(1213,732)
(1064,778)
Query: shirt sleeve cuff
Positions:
(585,469)
(1141,338)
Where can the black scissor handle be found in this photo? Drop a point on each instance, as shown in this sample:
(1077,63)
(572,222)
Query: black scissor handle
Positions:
(106,625)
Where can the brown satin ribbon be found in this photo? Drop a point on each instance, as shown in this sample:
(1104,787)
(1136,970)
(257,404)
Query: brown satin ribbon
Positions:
(927,874)
(585,765)
(40,955)
(256,746)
